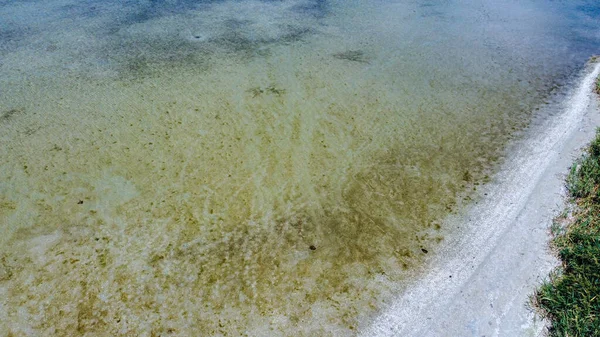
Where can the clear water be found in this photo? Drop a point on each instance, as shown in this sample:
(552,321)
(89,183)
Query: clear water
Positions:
(251,167)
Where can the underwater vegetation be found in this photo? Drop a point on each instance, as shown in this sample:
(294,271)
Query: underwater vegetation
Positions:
(257,91)
(9,114)
(229,200)
(353,55)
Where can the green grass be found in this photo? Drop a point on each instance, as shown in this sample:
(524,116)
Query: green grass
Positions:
(571,298)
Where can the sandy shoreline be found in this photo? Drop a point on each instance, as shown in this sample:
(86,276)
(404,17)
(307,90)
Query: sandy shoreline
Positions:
(482,288)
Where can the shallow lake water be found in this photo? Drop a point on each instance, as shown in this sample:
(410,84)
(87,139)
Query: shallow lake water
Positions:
(252,167)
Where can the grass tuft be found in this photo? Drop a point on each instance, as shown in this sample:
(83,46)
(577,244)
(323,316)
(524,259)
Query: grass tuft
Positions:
(571,298)
(584,177)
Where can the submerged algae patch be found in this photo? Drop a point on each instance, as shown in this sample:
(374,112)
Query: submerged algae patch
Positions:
(352,55)
(9,114)
(281,196)
(221,225)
